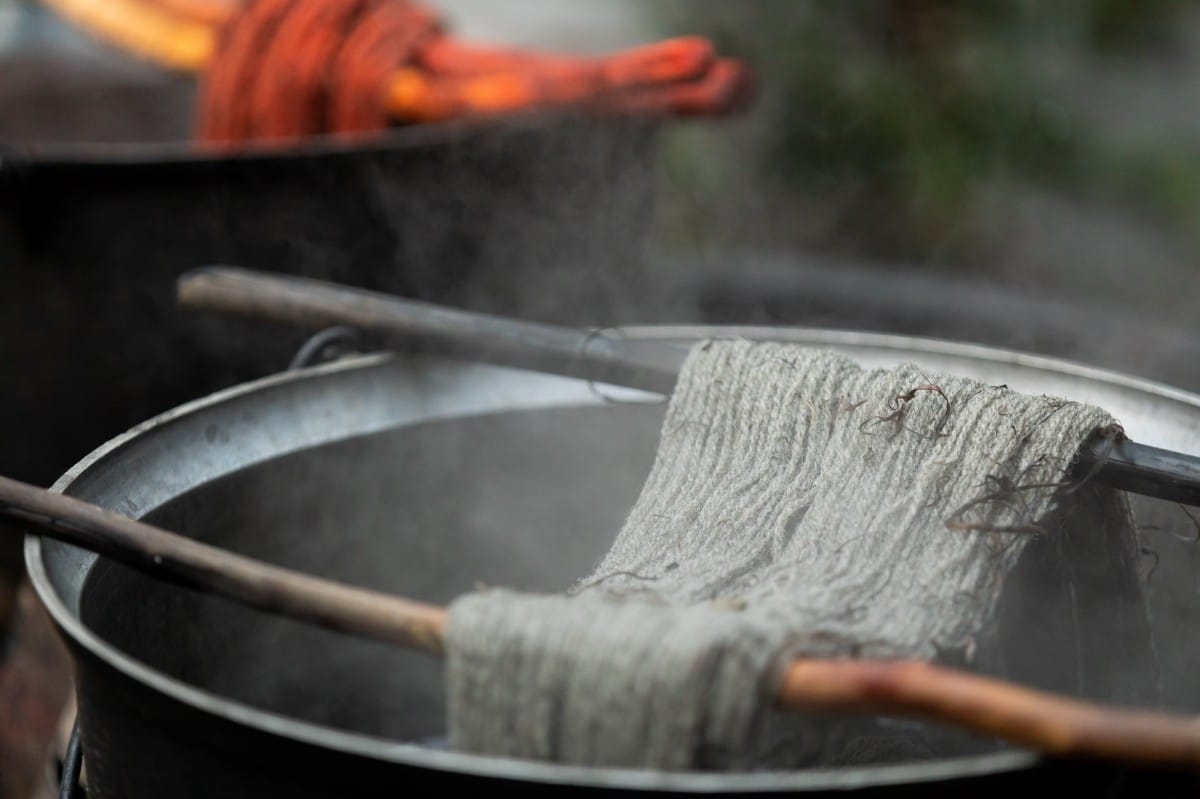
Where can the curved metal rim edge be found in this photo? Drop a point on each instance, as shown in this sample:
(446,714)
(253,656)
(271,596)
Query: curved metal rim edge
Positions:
(155,153)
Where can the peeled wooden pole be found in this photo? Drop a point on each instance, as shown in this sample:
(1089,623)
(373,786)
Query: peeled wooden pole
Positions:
(313,304)
(1050,723)
(212,570)
(1022,716)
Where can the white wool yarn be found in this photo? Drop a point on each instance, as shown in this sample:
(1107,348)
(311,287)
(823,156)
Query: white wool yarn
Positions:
(798,504)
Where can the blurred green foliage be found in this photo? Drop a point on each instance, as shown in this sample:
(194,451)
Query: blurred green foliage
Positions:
(898,111)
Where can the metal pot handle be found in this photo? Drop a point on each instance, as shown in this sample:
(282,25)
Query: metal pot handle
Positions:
(69,783)
(326,345)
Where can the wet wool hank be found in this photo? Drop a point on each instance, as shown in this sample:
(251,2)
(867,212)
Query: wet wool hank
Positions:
(798,505)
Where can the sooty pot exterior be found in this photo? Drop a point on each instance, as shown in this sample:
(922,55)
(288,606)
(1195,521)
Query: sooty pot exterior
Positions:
(498,217)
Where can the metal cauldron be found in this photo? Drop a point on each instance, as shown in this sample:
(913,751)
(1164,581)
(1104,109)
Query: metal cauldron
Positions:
(426,478)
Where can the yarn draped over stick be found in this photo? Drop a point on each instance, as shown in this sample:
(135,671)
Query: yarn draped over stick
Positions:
(798,505)
(284,69)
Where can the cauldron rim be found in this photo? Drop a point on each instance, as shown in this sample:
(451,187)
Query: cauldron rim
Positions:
(105,154)
(413,755)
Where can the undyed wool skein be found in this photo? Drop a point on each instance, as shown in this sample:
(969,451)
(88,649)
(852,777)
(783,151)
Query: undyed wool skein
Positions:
(798,505)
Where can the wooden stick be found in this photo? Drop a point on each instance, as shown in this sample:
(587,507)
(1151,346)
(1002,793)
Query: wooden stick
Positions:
(1039,720)
(1035,719)
(181,560)
(208,12)
(174,40)
(653,366)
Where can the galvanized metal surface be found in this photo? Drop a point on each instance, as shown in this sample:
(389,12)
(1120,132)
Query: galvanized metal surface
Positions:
(422,478)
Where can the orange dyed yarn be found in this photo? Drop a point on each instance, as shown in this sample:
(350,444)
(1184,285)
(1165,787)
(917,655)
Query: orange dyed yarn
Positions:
(286,69)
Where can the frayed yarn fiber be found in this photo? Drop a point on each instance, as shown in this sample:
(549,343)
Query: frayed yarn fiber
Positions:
(798,505)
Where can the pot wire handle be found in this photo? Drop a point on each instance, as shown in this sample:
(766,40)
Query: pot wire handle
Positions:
(70,781)
(324,345)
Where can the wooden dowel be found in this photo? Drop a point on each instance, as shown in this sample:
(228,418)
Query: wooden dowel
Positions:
(208,12)
(652,366)
(181,560)
(1036,719)
(161,34)
(1030,718)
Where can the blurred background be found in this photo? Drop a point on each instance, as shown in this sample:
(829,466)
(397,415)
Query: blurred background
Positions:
(1049,149)
(1016,174)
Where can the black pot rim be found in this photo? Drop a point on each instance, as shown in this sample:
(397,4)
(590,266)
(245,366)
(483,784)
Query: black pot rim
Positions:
(408,137)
